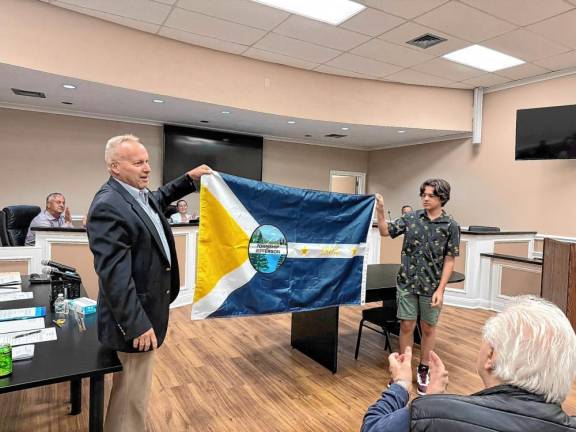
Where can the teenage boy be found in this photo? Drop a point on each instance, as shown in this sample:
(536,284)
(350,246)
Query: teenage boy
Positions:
(431,241)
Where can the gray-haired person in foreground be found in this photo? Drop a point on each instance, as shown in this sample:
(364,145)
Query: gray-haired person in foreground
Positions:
(527,362)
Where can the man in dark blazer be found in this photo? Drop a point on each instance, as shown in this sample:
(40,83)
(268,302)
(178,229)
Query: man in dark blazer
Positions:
(135,259)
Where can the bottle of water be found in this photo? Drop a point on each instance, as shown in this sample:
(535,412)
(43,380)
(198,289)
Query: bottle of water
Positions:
(61,310)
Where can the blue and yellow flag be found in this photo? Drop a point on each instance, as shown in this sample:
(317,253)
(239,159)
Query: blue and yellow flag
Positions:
(265,248)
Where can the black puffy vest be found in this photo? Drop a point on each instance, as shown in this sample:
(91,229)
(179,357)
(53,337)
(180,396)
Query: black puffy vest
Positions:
(503,408)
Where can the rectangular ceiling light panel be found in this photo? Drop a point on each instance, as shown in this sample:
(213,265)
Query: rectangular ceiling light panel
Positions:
(333,12)
(483,58)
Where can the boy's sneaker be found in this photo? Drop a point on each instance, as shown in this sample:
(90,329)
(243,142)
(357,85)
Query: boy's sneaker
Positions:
(423,379)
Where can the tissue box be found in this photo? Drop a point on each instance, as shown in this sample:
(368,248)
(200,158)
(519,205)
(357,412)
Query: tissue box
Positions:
(83,305)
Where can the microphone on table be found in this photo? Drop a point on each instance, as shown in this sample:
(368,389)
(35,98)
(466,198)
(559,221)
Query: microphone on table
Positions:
(57,265)
(74,277)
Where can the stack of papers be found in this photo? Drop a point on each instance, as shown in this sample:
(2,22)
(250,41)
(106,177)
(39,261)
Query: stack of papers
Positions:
(22,313)
(10,278)
(21,325)
(11,296)
(44,335)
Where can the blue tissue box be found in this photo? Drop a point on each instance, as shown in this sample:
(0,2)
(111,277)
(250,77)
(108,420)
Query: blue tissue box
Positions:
(83,305)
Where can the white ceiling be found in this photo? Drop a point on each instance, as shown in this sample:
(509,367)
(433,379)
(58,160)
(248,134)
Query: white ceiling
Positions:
(97,100)
(370,45)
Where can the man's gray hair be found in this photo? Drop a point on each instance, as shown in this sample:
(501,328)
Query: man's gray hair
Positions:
(113,143)
(53,195)
(535,347)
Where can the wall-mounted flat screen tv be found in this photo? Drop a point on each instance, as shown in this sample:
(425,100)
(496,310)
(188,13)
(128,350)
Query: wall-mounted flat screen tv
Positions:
(546,133)
(186,148)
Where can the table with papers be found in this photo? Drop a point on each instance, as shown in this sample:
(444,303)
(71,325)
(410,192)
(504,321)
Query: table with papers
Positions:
(65,354)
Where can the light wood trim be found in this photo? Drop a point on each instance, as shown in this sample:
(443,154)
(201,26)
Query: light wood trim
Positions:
(518,248)
(20,266)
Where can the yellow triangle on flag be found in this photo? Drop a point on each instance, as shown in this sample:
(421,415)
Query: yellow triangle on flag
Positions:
(222,244)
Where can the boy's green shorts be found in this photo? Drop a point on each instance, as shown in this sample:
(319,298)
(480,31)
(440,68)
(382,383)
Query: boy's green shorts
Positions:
(411,305)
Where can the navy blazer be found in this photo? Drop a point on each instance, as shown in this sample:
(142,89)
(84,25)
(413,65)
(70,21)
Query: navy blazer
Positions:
(137,282)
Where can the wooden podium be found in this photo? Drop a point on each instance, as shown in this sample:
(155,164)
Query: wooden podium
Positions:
(559,276)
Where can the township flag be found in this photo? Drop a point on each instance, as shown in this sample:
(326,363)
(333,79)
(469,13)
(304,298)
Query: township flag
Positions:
(265,248)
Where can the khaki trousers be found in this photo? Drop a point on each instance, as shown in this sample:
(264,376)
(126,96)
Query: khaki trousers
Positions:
(130,392)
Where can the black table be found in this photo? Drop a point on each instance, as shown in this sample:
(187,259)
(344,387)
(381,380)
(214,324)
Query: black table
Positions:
(315,333)
(74,355)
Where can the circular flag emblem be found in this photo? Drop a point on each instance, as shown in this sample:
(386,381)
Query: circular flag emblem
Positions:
(267,249)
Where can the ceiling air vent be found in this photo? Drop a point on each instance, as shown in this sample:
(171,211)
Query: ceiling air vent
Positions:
(335,136)
(29,93)
(426,41)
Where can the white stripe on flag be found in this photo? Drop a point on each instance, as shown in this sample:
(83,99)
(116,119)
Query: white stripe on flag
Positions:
(325,250)
(225,286)
(222,192)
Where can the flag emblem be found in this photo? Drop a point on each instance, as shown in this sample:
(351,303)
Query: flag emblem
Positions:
(267,249)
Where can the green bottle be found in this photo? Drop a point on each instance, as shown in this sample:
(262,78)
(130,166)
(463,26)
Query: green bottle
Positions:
(5,360)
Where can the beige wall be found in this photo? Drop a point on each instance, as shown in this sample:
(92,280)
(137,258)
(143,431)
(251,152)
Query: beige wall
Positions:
(87,48)
(43,153)
(489,186)
(308,166)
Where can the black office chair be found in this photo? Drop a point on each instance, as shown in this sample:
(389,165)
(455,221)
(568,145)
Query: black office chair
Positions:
(382,316)
(4,239)
(169,211)
(18,220)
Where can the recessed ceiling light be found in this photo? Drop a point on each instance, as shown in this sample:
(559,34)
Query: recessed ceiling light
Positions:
(225,112)
(345,128)
(157,101)
(291,122)
(483,58)
(69,86)
(333,12)
(401,131)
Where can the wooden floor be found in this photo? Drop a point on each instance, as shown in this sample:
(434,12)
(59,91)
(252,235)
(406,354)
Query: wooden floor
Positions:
(241,375)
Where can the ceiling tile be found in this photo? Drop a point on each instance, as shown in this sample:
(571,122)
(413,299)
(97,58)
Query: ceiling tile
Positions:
(486,80)
(244,12)
(319,33)
(461,85)
(523,71)
(127,22)
(378,49)
(521,12)
(559,62)
(372,22)
(204,41)
(447,69)
(465,22)
(363,65)
(278,58)
(336,71)
(560,28)
(142,10)
(404,8)
(296,48)
(411,30)
(212,27)
(525,45)
(409,76)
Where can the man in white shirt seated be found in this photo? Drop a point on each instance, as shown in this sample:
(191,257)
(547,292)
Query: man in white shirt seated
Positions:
(56,215)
